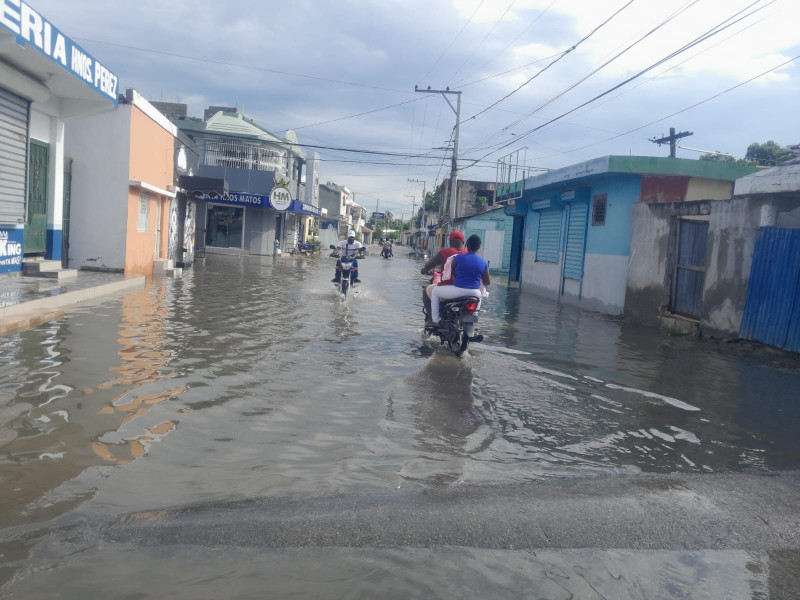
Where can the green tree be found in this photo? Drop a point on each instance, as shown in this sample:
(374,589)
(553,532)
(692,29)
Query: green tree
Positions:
(725,158)
(768,154)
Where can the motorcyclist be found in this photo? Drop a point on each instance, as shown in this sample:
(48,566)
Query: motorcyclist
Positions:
(456,247)
(387,248)
(470,271)
(348,247)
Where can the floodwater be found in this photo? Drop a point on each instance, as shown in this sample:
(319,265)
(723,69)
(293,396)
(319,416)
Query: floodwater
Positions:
(247,385)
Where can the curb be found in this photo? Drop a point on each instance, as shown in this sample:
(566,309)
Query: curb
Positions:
(25,315)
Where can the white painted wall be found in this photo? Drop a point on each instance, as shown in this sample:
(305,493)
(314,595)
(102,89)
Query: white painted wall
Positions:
(603,282)
(40,126)
(100,149)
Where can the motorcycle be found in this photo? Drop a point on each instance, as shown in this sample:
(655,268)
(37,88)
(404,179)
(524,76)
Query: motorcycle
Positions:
(346,272)
(386,252)
(457,321)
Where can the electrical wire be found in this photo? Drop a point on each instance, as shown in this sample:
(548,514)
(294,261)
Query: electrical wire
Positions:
(696,104)
(511,43)
(242,66)
(565,53)
(708,34)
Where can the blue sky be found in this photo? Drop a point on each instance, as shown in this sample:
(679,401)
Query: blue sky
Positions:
(307,65)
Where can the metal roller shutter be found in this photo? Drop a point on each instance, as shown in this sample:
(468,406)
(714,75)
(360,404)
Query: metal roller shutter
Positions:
(576,238)
(547,246)
(13,157)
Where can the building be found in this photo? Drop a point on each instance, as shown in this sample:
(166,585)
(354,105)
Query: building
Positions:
(496,230)
(343,214)
(46,80)
(261,212)
(474,197)
(575,242)
(724,267)
(124,207)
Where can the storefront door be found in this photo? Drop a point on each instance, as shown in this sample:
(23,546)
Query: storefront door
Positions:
(38,176)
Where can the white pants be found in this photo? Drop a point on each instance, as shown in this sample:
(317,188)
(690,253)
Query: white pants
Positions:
(448,292)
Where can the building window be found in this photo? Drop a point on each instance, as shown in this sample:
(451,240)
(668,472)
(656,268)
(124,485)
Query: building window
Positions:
(143,223)
(599,209)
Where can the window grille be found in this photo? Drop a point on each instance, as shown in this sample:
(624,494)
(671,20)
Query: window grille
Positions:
(227,152)
(599,209)
(143,223)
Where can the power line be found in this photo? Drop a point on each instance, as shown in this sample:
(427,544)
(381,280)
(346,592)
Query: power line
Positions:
(695,105)
(241,66)
(566,52)
(361,114)
(708,34)
(511,43)
(475,49)
(454,39)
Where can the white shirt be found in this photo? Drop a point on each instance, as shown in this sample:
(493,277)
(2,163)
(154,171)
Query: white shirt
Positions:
(347,249)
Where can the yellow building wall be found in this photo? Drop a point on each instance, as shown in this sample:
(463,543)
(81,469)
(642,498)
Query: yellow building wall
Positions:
(708,189)
(151,162)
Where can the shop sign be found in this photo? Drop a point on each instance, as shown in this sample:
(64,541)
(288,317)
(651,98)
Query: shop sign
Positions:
(280,198)
(29,27)
(236,198)
(304,208)
(11,249)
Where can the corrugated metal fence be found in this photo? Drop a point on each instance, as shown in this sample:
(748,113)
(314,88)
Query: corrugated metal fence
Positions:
(772,310)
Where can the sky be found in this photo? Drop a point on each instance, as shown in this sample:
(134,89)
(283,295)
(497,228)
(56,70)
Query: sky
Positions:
(536,77)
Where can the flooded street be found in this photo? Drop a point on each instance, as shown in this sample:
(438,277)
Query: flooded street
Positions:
(244,423)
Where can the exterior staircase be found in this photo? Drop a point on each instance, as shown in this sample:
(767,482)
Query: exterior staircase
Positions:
(51,269)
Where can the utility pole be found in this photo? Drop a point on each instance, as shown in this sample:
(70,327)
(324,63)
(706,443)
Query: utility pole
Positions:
(454,167)
(671,139)
(424,220)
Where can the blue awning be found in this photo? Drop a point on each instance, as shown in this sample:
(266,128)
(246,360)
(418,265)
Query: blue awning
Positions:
(306,209)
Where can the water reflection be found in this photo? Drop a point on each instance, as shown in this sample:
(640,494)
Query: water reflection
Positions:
(259,380)
(441,406)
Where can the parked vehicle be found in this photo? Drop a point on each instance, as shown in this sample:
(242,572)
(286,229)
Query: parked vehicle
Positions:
(458,319)
(304,249)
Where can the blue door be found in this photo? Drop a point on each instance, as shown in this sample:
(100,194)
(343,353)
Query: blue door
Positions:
(772,309)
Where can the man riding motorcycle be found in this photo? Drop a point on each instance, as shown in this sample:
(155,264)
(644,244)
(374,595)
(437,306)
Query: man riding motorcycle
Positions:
(386,250)
(456,247)
(348,247)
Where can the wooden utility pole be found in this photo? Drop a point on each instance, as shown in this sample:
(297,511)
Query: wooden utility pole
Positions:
(671,139)
(454,167)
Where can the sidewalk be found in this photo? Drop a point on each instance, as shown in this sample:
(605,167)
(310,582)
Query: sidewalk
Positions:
(26,302)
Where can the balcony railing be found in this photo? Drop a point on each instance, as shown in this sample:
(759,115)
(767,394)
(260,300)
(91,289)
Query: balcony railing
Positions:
(241,155)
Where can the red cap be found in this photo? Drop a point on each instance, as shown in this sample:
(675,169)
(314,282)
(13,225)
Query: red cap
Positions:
(456,235)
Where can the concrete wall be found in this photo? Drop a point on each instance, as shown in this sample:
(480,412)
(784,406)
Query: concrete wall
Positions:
(100,151)
(152,150)
(733,227)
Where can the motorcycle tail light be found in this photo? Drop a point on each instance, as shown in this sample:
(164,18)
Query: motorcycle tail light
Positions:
(470,307)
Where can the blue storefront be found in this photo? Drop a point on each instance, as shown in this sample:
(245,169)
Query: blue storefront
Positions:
(34,196)
(241,222)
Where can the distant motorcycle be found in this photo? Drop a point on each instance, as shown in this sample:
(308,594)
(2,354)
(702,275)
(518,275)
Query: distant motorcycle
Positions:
(457,321)
(386,252)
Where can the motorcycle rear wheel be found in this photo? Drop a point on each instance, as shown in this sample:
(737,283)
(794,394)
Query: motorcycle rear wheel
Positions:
(459,345)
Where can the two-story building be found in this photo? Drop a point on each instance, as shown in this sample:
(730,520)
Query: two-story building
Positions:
(261,211)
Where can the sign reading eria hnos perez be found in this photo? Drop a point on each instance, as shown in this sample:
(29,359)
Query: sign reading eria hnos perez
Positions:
(10,250)
(29,27)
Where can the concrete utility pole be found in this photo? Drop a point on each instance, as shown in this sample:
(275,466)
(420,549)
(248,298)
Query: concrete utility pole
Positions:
(424,220)
(454,168)
(672,139)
